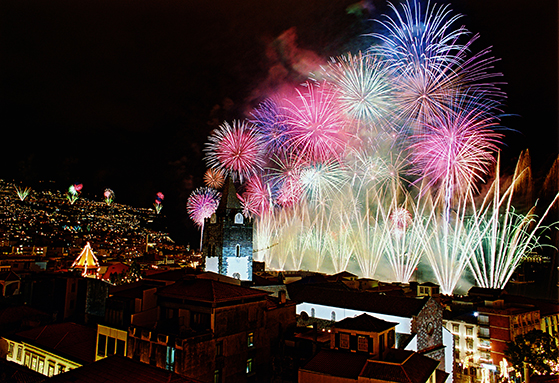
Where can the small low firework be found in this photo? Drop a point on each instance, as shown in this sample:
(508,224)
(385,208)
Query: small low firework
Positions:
(158,204)
(109,196)
(22,193)
(74,193)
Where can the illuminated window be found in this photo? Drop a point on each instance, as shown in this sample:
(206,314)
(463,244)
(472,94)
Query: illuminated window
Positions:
(213,218)
(110,346)
(19,352)
(250,339)
(11,350)
(101,345)
(455,328)
(333,316)
(41,365)
(469,331)
(217,376)
(362,344)
(469,343)
(170,359)
(121,347)
(51,369)
(249,365)
(344,340)
(239,219)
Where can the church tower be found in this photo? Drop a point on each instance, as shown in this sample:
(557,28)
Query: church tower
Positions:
(227,240)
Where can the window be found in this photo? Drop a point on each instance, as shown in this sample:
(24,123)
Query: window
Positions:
(101,345)
(239,219)
(51,369)
(19,352)
(121,347)
(344,340)
(237,251)
(41,365)
(249,365)
(219,348)
(110,346)
(455,328)
(217,376)
(11,350)
(250,339)
(34,362)
(469,331)
(312,312)
(27,359)
(362,344)
(456,341)
(170,359)
(469,343)
(333,316)
(213,218)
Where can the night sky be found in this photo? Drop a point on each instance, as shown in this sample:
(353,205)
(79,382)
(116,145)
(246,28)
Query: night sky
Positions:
(123,93)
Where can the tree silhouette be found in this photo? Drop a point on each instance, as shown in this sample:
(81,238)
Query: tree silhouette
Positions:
(535,350)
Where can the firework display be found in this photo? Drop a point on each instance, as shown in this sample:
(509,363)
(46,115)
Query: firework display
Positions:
(74,193)
(109,196)
(377,160)
(201,204)
(158,204)
(22,192)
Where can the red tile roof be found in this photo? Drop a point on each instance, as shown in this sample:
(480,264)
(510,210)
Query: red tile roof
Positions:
(70,340)
(208,290)
(401,366)
(122,370)
(337,363)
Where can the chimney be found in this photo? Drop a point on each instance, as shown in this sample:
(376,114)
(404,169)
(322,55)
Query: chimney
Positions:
(282,296)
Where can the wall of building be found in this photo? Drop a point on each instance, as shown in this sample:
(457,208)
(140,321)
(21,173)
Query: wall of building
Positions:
(37,359)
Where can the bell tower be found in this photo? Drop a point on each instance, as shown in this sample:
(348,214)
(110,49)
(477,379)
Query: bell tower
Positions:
(227,240)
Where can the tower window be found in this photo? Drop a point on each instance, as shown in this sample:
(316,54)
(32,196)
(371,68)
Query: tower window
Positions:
(238,250)
(239,218)
(213,218)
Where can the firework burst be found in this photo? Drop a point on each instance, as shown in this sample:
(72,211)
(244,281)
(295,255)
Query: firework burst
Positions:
(236,150)
(201,204)
(316,127)
(364,91)
(109,196)
(22,193)
(214,178)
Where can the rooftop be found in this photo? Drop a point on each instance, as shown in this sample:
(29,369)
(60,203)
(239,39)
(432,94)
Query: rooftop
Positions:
(357,300)
(70,340)
(122,370)
(208,290)
(364,322)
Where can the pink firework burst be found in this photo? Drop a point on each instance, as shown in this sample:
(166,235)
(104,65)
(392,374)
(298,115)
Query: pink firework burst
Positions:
(456,150)
(202,203)
(214,178)
(285,178)
(256,198)
(315,124)
(235,149)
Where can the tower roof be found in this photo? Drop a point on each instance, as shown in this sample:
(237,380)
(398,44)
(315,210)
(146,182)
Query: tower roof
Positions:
(86,259)
(229,199)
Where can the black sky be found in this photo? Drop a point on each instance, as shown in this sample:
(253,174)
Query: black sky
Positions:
(123,93)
